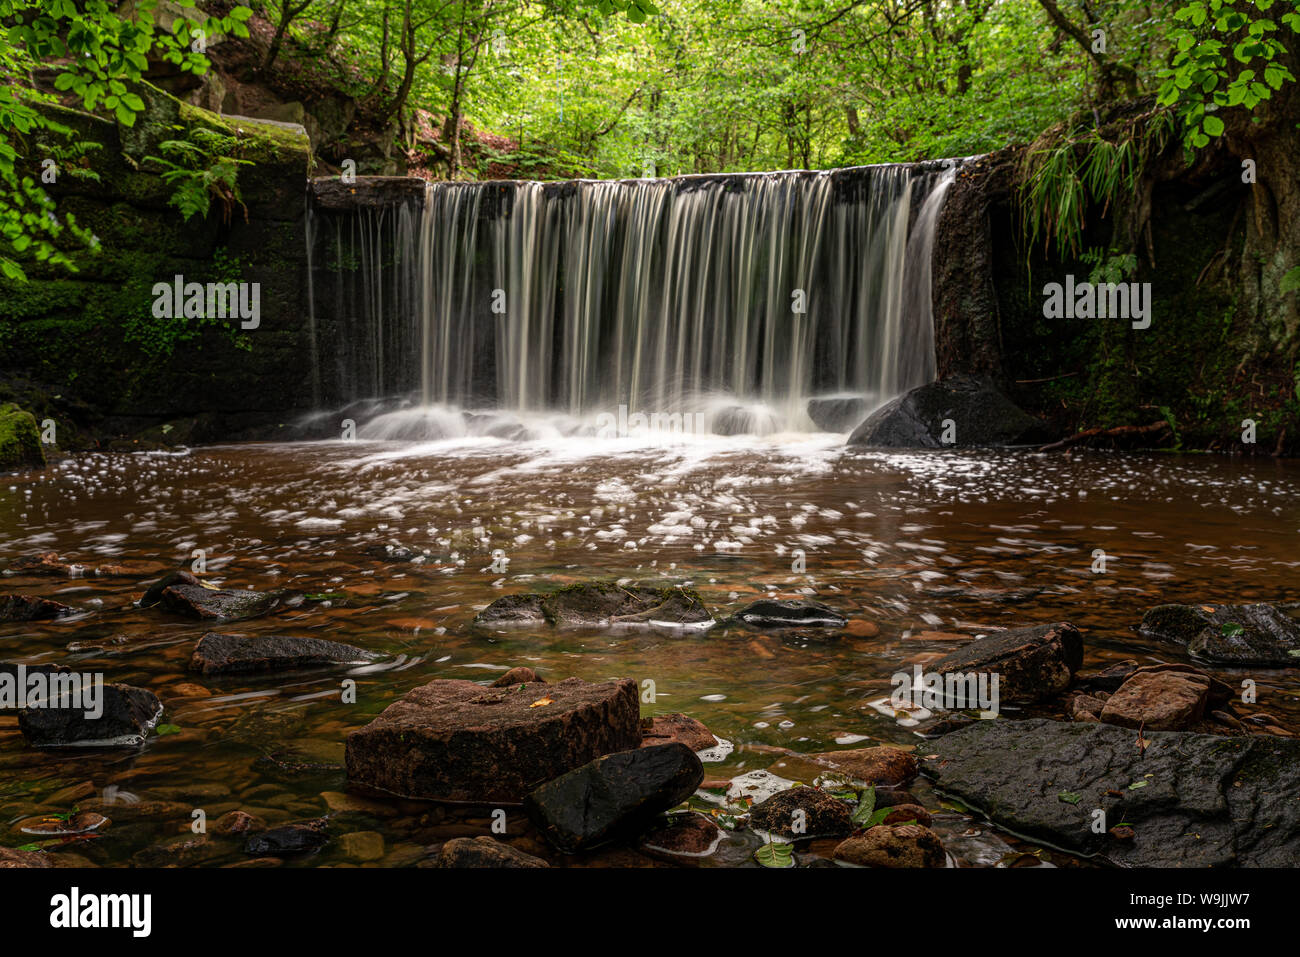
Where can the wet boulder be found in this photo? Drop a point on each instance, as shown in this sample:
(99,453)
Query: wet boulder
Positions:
(128,714)
(893,845)
(217,653)
(1260,635)
(771,613)
(31,608)
(594,604)
(802,812)
(183,594)
(1191,800)
(459,741)
(480,852)
(966,409)
(839,413)
(614,795)
(1032,663)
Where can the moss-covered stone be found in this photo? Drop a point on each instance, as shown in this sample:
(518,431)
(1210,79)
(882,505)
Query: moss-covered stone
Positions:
(20,439)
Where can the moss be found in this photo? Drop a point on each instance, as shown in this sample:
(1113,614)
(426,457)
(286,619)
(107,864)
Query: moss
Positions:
(20,440)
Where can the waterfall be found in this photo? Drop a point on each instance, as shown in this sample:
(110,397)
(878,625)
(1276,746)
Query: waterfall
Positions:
(728,293)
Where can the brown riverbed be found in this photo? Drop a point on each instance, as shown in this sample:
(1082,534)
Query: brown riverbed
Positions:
(930,548)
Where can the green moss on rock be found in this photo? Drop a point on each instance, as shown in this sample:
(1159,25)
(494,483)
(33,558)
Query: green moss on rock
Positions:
(20,440)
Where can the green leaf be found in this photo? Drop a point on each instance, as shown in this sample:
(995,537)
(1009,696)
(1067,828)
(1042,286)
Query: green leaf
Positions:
(1069,797)
(775,855)
(1231,629)
(165,729)
(866,804)
(1212,125)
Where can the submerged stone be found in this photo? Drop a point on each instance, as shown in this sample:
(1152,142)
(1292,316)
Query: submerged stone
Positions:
(789,613)
(31,608)
(666,728)
(839,413)
(614,795)
(302,837)
(128,715)
(966,409)
(459,741)
(218,653)
(1258,634)
(598,603)
(483,852)
(1192,800)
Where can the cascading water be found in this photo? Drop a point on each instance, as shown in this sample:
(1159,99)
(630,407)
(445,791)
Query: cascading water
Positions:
(739,296)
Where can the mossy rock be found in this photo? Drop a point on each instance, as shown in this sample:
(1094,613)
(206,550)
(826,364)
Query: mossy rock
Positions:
(20,440)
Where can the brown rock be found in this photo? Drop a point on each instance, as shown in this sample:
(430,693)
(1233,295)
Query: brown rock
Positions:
(1085,707)
(898,845)
(458,741)
(879,767)
(666,728)
(517,676)
(1158,701)
(1220,693)
(484,852)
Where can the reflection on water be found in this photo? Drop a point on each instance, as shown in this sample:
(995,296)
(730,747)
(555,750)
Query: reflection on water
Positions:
(933,548)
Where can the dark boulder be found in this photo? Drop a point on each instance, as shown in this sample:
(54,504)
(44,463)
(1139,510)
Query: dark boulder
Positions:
(598,603)
(31,608)
(460,741)
(484,851)
(1192,800)
(614,795)
(980,416)
(1228,634)
(128,715)
(183,594)
(1031,663)
(767,613)
(802,812)
(218,653)
(839,413)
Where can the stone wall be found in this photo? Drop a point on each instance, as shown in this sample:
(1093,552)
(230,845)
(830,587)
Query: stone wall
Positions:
(84,347)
